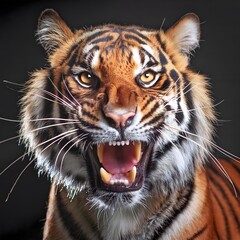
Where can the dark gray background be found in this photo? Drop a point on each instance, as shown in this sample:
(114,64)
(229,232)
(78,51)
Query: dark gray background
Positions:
(218,58)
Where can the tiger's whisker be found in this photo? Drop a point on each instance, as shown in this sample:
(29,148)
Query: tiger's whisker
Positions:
(69,92)
(12,163)
(225,152)
(51,125)
(10,120)
(61,92)
(197,108)
(16,181)
(38,119)
(218,164)
(56,160)
(57,100)
(63,157)
(58,139)
(22,156)
(13,83)
(9,139)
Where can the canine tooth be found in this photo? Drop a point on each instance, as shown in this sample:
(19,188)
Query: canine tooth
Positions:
(138,150)
(126,182)
(105,176)
(110,143)
(100,152)
(132,175)
(127,142)
(112,182)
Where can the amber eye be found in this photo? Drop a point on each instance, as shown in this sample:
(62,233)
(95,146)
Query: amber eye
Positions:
(147,76)
(86,79)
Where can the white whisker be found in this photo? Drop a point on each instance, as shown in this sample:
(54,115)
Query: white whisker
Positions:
(56,160)
(51,125)
(12,163)
(16,181)
(58,139)
(9,139)
(70,92)
(63,157)
(55,99)
(218,164)
(61,92)
(221,150)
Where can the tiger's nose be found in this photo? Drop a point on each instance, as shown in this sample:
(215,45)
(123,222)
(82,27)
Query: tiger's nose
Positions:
(121,119)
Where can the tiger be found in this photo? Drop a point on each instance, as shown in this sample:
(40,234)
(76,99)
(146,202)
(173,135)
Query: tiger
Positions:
(124,129)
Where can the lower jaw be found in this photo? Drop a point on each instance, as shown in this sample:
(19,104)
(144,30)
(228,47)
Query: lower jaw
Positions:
(96,182)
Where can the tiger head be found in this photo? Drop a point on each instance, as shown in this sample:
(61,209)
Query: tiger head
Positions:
(118,113)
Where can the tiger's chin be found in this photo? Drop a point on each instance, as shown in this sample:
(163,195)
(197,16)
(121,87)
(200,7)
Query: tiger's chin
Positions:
(118,171)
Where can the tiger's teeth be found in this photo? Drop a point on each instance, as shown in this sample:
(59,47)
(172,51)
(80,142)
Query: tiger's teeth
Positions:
(132,175)
(106,177)
(138,150)
(100,152)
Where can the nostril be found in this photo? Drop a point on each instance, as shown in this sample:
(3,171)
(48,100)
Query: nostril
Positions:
(122,120)
(111,122)
(129,122)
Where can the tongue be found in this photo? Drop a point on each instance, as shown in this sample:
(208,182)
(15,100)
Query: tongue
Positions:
(119,159)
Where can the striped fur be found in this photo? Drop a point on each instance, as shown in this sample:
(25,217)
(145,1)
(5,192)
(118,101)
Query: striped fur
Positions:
(123,127)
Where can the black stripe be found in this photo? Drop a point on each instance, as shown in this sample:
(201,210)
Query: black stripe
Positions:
(162,43)
(89,115)
(189,101)
(175,76)
(47,110)
(224,215)
(149,55)
(95,35)
(88,56)
(223,177)
(71,55)
(157,119)
(215,229)
(152,110)
(179,114)
(165,85)
(138,33)
(233,163)
(150,99)
(137,39)
(89,104)
(101,40)
(182,201)
(87,124)
(73,229)
(198,233)
(187,92)
(224,194)
(163,59)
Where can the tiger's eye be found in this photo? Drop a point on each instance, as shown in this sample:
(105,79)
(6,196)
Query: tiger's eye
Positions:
(86,78)
(147,76)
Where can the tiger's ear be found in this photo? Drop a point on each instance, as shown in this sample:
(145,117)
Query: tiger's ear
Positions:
(52,30)
(185,33)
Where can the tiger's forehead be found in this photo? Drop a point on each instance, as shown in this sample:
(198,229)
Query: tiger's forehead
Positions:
(112,36)
(123,47)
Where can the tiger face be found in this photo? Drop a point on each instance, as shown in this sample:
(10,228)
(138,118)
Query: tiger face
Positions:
(114,115)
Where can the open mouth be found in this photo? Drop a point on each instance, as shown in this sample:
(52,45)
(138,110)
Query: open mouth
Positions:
(120,166)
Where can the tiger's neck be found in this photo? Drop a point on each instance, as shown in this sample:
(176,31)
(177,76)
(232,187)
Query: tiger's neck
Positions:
(157,218)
